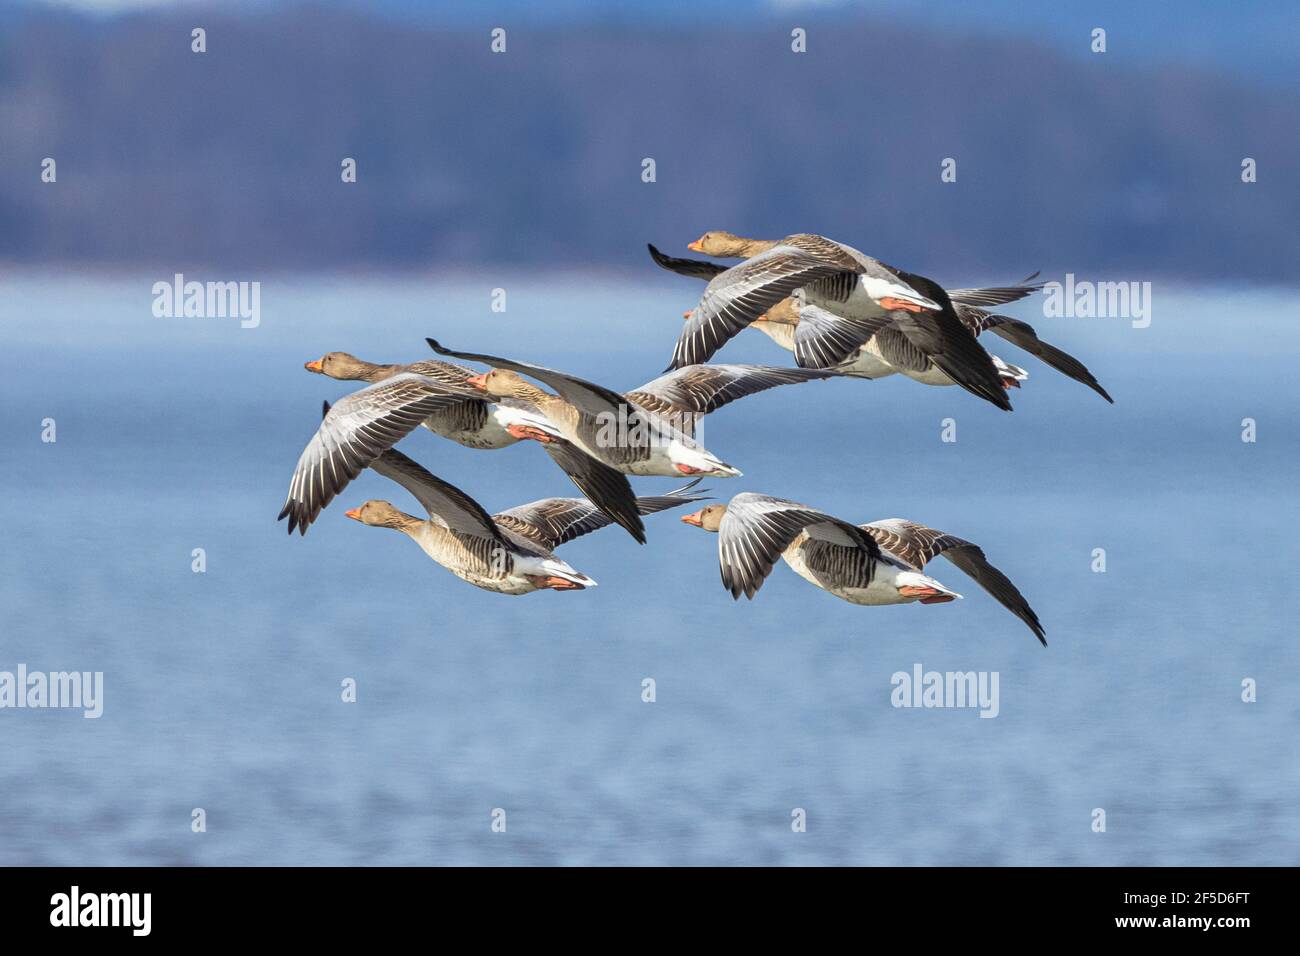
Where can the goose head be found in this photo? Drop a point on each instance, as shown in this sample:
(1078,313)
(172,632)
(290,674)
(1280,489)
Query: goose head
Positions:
(503,383)
(722,245)
(379,514)
(340,365)
(785,312)
(708,518)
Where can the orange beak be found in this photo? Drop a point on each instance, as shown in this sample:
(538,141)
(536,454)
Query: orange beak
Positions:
(687,315)
(693,519)
(314,366)
(354,514)
(695,246)
(478,381)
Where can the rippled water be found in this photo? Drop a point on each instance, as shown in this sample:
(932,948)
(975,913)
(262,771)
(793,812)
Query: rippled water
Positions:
(222,689)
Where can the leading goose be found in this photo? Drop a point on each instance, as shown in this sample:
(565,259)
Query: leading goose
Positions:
(648,431)
(877,563)
(843,280)
(511,552)
(363,425)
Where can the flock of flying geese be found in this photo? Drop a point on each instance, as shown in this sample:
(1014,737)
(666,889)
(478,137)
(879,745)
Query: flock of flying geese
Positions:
(842,314)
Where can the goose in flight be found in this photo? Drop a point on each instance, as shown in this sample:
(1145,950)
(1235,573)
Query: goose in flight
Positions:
(821,339)
(866,360)
(363,425)
(512,552)
(863,349)
(474,423)
(878,563)
(990,295)
(648,431)
(839,279)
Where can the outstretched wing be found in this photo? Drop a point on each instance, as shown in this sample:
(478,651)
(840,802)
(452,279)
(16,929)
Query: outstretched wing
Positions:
(695,268)
(996,295)
(446,504)
(553,521)
(949,343)
(823,339)
(1022,334)
(356,431)
(606,489)
(916,544)
(699,389)
(587,396)
(738,296)
(757,528)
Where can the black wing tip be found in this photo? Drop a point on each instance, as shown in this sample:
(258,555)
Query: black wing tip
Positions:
(1096,387)
(433,344)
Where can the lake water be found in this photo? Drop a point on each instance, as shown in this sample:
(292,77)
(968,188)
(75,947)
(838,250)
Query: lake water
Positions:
(222,689)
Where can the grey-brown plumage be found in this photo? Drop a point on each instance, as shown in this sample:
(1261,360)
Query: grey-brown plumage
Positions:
(997,295)
(687,394)
(476,422)
(758,528)
(949,344)
(989,295)
(591,412)
(553,521)
(736,297)
(642,431)
(918,545)
(511,552)
(695,268)
(1022,334)
(607,488)
(828,273)
(356,431)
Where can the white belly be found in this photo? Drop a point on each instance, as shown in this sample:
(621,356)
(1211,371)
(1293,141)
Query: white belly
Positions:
(659,464)
(511,585)
(931,376)
(883,589)
(492,435)
(665,453)
(866,364)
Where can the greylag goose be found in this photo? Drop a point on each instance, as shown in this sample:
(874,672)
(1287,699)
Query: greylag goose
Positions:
(877,563)
(864,349)
(779,324)
(990,295)
(511,552)
(368,422)
(648,431)
(821,339)
(841,279)
(474,423)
